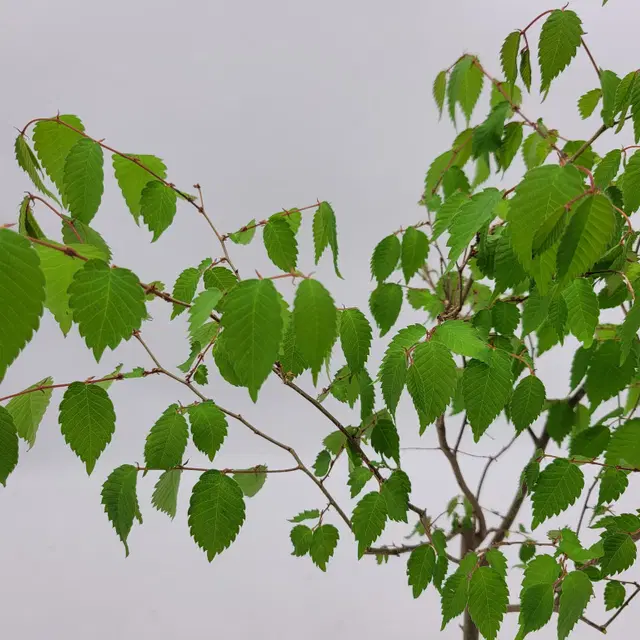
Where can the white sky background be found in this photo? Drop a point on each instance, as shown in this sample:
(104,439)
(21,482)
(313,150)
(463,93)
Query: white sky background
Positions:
(267,105)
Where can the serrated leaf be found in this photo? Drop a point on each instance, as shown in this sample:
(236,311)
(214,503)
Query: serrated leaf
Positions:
(487,136)
(527,402)
(462,338)
(166,442)
(165,493)
(486,389)
(251,482)
(245,234)
(323,544)
(588,102)
(368,520)
(559,42)
(385,303)
(525,67)
(455,594)
(28,162)
(395,491)
(88,236)
(28,410)
(628,331)
(558,487)
(385,440)
(252,324)
(184,289)
(613,483)
(560,421)
(432,380)
(415,248)
(87,420)
(446,213)
(216,512)
(536,607)
(157,207)
(420,567)
(574,597)
(309,514)
(505,317)
(107,303)
(120,500)
(301,538)
(83,179)
(607,168)
(385,257)
(220,278)
(580,365)
(9,445)
(624,447)
(465,86)
(439,90)
(488,597)
(583,310)
(606,376)
(322,463)
(132,178)
(497,561)
(591,442)
(208,427)
(201,309)
(614,595)
(609,82)
(325,233)
(509,56)
(513,134)
(358,478)
(631,183)
(355,338)
(280,243)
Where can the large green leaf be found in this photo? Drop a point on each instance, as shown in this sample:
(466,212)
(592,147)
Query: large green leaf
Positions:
(588,102)
(208,427)
(583,310)
(107,303)
(415,248)
(488,598)
(607,168)
(614,595)
(558,487)
(606,376)
(28,410)
(462,338)
(323,544)
(88,236)
(385,439)
(465,86)
(167,440)
(252,324)
(369,519)
(385,303)
(157,207)
(591,442)
(624,446)
(132,178)
(613,483)
(455,594)
(385,257)
(536,607)
(301,538)
(527,402)
(83,179)
(120,500)
(280,243)
(87,420)
(355,338)
(420,566)
(216,512)
(8,445)
(165,493)
(395,491)
(628,331)
(574,597)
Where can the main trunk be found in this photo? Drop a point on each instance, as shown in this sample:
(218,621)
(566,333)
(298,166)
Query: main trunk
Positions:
(469,629)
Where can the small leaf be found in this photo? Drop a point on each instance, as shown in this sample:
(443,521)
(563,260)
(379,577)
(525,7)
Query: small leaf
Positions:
(385,440)
(28,162)
(301,538)
(606,376)
(309,514)
(536,606)
(208,427)
(9,446)
(280,243)
(369,519)
(583,310)
(631,183)
(385,303)
(120,500)
(355,338)
(614,595)
(574,597)
(322,463)
(157,207)
(167,440)
(488,597)
(395,491)
(165,493)
(505,317)
(439,90)
(358,478)
(607,168)
(385,257)
(251,482)
(619,553)
(420,567)
(465,86)
(509,56)
(455,594)
(323,544)
(415,248)
(613,484)
(588,102)
(133,178)
(83,179)
(245,234)
(201,309)
(325,233)
(557,488)
(525,67)
(497,561)
(591,442)
(527,402)
(28,410)
(462,338)
(184,289)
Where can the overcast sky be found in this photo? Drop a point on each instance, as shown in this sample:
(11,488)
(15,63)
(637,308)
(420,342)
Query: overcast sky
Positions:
(267,105)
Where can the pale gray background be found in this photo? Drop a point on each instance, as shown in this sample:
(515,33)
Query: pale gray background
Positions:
(268,105)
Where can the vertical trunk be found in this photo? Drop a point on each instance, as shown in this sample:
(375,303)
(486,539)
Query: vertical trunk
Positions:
(469,629)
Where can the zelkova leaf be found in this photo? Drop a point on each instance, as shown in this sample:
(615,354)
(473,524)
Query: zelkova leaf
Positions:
(415,248)
(574,597)
(120,500)
(583,310)
(308,514)
(165,492)
(509,56)
(559,42)
(465,86)
(301,538)
(586,237)
(439,90)
(369,518)
(252,323)
(201,309)
(355,338)
(133,178)
(28,410)
(525,67)
(216,512)
(614,595)
(455,594)
(432,379)
(486,389)
(607,375)
(107,303)
(157,207)
(609,82)
(385,257)
(395,491)
(9,445)
(607,168)
(53,140)
(588,102)
(323,544)
(527,402)
(488,598)
(624,447)
(420,567)
(462,338)
(280,243)
(208,427)
(628,331)
(28,162)
(22,295)
(71,229)
(591,442)
(325,233)
(184,289)
(167,440)
(558,487)
(315,322)
(83,179)
(536,606)
(385,303)
(27,223)
(87,420)
(385,440)
(358,478)
(252,481)
(631,183)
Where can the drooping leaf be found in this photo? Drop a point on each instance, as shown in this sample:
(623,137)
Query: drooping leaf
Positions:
(280,243)
(184,289)
(358,478)
(591,442)
(606,376)
(613,483)
(588,102)
(525,67)
(488,597)
(505,317)
(220,278)
(624,447)
(157,207)
(208,427)
(487,136)
(322,463)
(252,482)
(420,567)
(527,402)
(87,420)
(609,82)
(455,594)
(574,597)
(509,56)
(415,248)
(323,544)
(245,234)
(607,168)
(120,500)
(325,233)
(558,487)
(83,179)
(301,538)
(511,141)
(71,229)
(385,257)
(465,86)
(369,519)
(395,491)
(536,606)
(28,162)
(201,309)
(628,332)
(583,310)
(167,440)
(216,512)
(28,410)
(9,446)
(385,303)
(462,338)
(385,440)
(165,493)
(439,90)
(355,338)
(133,178)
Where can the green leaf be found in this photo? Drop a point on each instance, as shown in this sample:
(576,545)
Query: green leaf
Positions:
(511,142)
(624,447)
(358,478)
(385,440)
(559,42)
(315,322)
(505,317)
(395,491)
(120,500)
(167,440)
(439,90)
(165,493)
(613,483)
(628,331)
(446,213)
(509,56)
(28,162)
(415,248)
(323,544)
(582,305)
(245,234)
(432,380)
(420,567)
(606,376)
(614,595)
(309,514)
(469,219)
(588,102)
(610,83)
(542,570)
(462,338)
(157,207)
(465,86)
(536,606)
(322,463)
(87,420)
(201,309)
(525,67)
(252,482)
(88,235)
(22,295)
(301,539)
(9,446)
(580,365)
(280,243)
(631,184)
(497,561)
(527,402)
(560,421)
(455,594)
(208,427)
(83,179)
(591,442)
(487,136)
(252,324)
(587,236)
(220,278)
(385,257)
(619,553)
(325,233)
(486,389)
(558,487)
(607,169)
(355,338)
(385,303)
(184,289)
(28,410)
(436,171)
(216,512)
(27,223)
(132,178)
(107,303)
(574,597)
(488,597)
(369,519)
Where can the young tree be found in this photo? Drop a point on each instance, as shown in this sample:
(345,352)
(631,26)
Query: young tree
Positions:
(524,267)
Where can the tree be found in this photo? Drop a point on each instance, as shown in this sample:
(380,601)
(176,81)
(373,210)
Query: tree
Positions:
(522,268)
